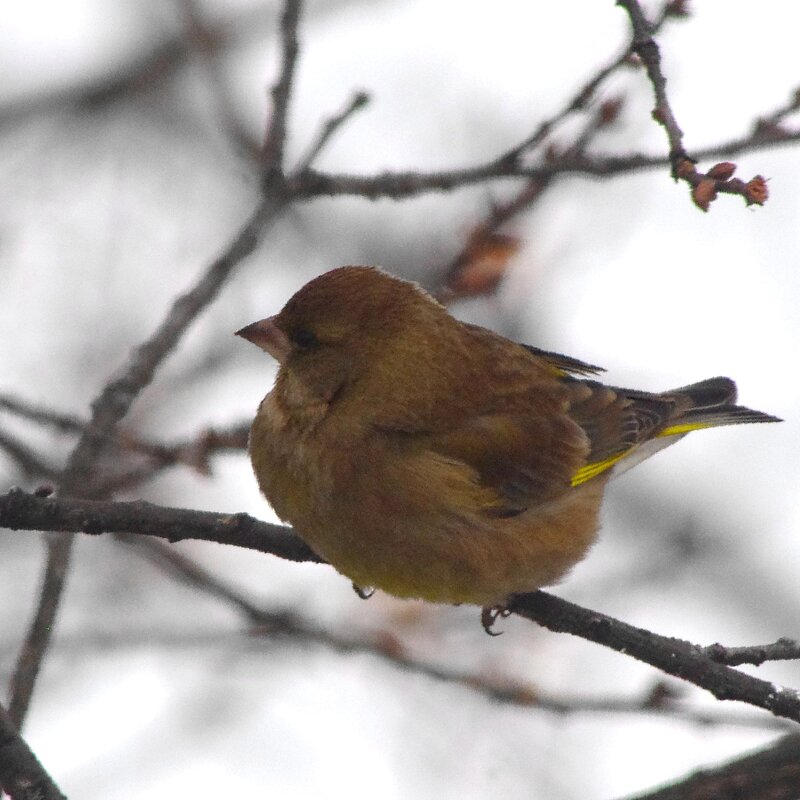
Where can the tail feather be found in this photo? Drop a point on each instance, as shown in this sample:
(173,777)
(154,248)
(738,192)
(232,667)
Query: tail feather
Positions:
(711,403)
(710,392)
(625,426)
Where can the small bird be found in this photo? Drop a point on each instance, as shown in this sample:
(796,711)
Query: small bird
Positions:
(432,458)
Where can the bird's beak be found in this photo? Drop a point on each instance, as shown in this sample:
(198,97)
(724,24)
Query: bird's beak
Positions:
(269,337)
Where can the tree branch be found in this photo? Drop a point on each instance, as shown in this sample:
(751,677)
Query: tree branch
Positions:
(108,409)
(358,101)
(705,185)
(769,774)
(275,139)
(661,699)
(646,48)
(673,656)
(21,775)
(20,510)
(782,650)
(404,185)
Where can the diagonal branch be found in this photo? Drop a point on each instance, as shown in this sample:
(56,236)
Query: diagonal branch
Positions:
(646,48)
(705,185)
(582,97)
(674,656)
(329,127)
(660,699)
(116,398)
(769,774)
(20,510)
(111,405)
(21,774)
(782,650)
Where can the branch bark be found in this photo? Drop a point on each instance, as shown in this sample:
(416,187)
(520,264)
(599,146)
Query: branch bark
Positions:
(769,774)
(677,657)
(21,775)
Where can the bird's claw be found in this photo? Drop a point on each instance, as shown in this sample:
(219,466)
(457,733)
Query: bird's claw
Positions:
(490,615)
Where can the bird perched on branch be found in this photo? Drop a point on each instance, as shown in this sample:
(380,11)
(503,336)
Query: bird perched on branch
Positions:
(432,458)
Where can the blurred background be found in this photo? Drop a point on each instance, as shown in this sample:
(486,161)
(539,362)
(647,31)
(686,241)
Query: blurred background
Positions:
(128,136)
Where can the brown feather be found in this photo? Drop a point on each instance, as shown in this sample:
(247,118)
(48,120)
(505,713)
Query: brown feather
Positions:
(436,459)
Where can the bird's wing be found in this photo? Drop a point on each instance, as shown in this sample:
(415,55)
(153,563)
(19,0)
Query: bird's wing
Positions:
(565,365)
(524,460)
(557,364)
(617,421)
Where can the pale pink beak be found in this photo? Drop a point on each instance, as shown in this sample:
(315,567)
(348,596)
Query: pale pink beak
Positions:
(269,337)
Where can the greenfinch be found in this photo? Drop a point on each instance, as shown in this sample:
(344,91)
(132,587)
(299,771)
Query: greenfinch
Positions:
(436,459)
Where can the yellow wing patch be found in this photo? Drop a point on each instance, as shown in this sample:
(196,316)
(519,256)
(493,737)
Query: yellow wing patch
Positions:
(589,471)
(592,470)
(686,427)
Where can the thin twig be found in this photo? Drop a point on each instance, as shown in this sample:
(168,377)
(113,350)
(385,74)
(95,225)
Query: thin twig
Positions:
(29,461)
(37,640)
(481,264)
(782,650)
(194,452)
(275,139)
(646,48)
(582,97)
(358,101)
(404,185)
(705,186)
(200,37)
(63,423)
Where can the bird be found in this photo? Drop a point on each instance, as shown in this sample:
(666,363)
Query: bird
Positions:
(432,458)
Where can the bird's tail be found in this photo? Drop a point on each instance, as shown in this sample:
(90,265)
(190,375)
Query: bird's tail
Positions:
(709,404)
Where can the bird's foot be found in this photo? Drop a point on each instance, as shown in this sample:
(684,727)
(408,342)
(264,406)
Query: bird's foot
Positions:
(490,615)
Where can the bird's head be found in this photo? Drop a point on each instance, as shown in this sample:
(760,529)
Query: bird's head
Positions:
(343,325)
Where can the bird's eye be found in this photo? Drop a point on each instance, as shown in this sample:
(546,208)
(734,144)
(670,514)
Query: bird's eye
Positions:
(303,338)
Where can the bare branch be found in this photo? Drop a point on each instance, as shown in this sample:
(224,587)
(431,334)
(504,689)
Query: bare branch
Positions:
(673,656)
(769,774)
(583,96)
(29,660)
(358,101)
(64,423)
(201,40)
(21,775)
(117,397)
(404,185)
(705,185)
(275,139)
(660,700)
(646,48)
(481,264)
(782,650)
(28,460)
(20,510)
